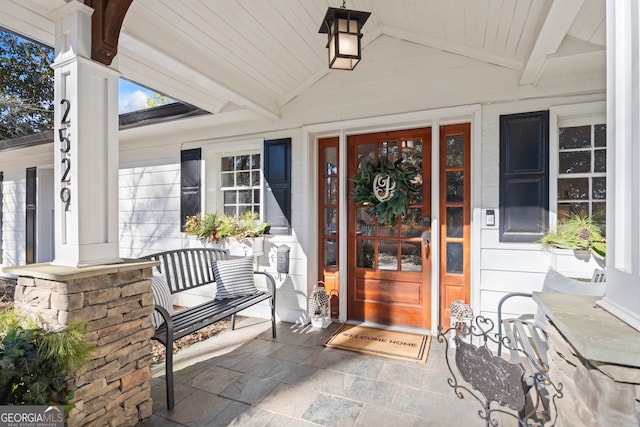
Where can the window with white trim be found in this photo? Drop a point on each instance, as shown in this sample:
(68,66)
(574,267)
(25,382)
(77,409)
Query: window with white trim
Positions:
(240,179)
(582,170)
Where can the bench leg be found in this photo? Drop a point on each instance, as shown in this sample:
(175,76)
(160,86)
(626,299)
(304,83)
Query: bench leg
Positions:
(168,368)
(273,318)
(233,322)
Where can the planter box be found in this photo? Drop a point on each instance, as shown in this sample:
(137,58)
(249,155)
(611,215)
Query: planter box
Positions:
(249,247)
(575,264)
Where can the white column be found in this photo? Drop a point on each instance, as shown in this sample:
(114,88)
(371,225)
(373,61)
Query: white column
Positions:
(623,159)
(85,145)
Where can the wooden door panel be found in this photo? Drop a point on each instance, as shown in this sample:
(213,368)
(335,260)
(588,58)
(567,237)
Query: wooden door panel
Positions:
(383,291)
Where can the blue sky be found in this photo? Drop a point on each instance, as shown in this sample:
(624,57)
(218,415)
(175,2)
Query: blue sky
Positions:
(131,97)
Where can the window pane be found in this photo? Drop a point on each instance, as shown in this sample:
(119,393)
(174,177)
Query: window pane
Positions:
(244,209)
(573,189)
(389,150)
(243,179)
(255,178)
(599,188)
(331,193)
(412,223)
(230,210)
(566,210)
(330,252)
(455,219)
(330,221)
(388,255)
(244,196)
(575,162)
(364,254)
(243,162)
(255,161)
(230,197)
(600,135)
(575,137)
(331,160)
(226,164)
(600,160)
(599,214)
(455,151)
(455,186)
(411,256)
(365,224)
(387,230)
(227,179)
(366,152)
(455,258)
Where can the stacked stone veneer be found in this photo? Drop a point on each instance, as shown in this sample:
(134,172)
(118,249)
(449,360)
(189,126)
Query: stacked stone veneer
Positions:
(113,389)
(591,396)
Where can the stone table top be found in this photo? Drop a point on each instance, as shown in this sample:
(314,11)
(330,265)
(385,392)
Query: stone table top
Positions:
(595,333)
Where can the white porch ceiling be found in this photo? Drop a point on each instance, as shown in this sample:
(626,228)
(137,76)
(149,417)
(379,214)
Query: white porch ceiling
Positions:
(223,55)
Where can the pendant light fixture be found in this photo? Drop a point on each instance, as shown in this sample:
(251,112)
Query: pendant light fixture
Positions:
(343,27)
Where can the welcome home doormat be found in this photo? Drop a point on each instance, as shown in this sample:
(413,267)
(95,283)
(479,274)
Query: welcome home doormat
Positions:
(381,342)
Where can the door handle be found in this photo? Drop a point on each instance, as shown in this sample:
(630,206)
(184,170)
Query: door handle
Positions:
(426,238)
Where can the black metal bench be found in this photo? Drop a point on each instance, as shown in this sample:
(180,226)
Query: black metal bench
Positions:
(185,269)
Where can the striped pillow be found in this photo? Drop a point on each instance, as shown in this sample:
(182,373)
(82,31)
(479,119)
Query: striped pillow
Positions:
(161,297)
(234,277)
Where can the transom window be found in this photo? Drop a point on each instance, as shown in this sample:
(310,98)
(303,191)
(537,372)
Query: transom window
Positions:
(582,171)
(240,179)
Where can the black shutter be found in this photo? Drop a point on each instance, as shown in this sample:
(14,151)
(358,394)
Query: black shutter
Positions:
(190,183)
(524,176)
(30,216)
(277,177)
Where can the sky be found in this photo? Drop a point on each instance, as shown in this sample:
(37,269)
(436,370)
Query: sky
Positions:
(132,97)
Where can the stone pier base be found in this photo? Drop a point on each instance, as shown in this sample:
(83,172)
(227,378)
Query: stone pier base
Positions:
(593,394)
(116,302)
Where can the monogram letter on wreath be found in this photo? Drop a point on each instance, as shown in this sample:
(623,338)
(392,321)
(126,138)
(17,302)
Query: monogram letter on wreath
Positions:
(385,188)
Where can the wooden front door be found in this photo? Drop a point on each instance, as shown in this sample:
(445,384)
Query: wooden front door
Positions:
(389,264)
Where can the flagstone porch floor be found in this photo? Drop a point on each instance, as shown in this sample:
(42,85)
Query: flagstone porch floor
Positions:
(246,378)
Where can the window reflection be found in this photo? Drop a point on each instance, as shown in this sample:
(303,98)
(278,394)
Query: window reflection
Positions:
(388,255)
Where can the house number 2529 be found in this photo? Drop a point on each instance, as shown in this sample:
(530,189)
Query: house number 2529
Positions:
(65,149)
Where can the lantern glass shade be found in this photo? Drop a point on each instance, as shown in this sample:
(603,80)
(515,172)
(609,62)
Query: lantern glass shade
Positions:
(343,28)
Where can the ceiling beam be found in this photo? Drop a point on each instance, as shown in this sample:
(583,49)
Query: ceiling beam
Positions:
(205,85)
(554,29)
(447,46)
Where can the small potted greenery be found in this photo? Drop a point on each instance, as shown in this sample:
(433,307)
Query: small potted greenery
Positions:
(579,233)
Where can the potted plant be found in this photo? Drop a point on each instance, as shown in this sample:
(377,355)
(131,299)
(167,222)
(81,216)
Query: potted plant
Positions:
(245,230)
(35,363)
(204,227)
(581,235)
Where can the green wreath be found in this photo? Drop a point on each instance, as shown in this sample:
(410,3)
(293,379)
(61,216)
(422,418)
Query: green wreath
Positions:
(400,188)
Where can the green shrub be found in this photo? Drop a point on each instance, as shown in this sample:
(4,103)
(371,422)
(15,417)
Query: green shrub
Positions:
(35,363)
